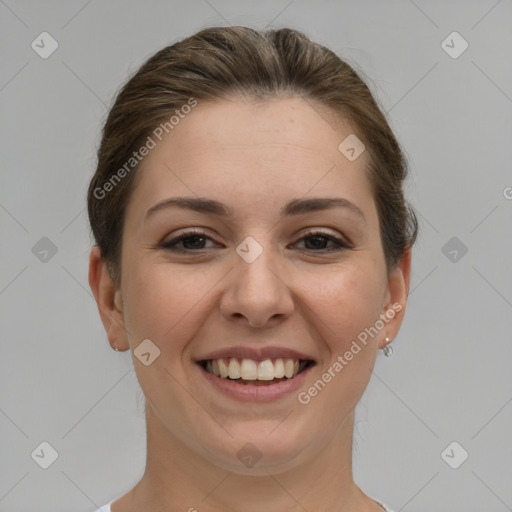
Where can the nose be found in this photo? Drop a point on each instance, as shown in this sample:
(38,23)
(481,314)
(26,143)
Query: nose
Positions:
(257,293)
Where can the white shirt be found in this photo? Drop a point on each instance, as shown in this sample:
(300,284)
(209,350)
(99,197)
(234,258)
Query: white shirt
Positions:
(106,508)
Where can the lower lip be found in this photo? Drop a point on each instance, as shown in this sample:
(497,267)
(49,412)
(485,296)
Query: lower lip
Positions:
(261,393)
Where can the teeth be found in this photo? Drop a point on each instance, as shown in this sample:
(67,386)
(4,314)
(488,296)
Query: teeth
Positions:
(248,369)
(234,369)
(265,370)
(289,366)
(278,369)
(215,367)
(223,368)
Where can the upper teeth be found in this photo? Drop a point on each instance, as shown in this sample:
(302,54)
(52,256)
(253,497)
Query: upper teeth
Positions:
(248,369)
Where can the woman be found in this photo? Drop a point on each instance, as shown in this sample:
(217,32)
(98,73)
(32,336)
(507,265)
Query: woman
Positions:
(253,253)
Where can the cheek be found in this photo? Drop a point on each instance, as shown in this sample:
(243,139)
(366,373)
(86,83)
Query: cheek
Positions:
(347,302)
(161,300)
(345,311)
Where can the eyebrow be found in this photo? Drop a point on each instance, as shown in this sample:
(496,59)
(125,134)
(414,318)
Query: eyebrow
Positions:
(293,207)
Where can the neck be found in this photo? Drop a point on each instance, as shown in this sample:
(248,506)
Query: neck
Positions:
(177,478)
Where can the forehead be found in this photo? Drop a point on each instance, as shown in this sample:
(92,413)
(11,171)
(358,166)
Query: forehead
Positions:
(248,123)
(258,151)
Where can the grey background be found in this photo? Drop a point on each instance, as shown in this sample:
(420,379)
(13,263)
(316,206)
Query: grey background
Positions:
(449,378)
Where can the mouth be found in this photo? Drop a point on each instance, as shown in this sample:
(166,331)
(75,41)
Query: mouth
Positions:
(255,372)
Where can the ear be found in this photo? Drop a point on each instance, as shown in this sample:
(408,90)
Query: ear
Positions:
(108,300)
(396,297)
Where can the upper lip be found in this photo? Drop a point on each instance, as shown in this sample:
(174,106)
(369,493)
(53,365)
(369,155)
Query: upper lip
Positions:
(257,354)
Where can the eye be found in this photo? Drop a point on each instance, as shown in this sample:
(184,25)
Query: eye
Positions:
(188,241)
(318,240)
(195,240)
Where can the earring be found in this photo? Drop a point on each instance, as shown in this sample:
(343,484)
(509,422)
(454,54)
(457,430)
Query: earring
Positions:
(116,349)
(388,349)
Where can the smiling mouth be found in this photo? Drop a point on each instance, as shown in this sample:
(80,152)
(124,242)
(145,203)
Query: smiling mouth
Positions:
(256,373)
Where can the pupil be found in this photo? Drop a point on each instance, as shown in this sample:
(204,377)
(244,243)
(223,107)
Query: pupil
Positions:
(320,239)
(186,241)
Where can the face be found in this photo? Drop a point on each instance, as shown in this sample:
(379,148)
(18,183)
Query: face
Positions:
(262,268)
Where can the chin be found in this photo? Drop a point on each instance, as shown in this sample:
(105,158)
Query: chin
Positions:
(259,453)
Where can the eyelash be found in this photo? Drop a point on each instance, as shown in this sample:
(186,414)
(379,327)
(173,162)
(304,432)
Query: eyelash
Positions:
(171,244)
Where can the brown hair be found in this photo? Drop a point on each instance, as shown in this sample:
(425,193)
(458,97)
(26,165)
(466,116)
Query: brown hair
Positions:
(220,62)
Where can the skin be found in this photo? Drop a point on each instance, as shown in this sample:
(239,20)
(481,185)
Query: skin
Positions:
(254,157)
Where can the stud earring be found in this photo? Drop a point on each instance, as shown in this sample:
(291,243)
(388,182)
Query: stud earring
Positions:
(388,349)
(116,349)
